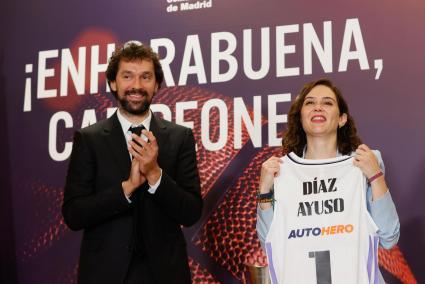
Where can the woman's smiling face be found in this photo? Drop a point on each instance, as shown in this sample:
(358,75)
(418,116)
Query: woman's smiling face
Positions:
(320,115)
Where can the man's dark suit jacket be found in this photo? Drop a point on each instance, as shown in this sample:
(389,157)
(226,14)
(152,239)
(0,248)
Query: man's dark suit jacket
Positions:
(94,201)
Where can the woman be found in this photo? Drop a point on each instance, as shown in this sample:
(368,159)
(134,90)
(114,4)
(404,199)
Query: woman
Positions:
(320,127)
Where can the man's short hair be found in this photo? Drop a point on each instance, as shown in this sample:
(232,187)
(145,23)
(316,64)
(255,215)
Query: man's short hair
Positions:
(130,51)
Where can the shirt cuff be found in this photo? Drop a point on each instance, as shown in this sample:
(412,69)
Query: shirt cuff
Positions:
(152,188)
(383,208)
(266,214)
(128,198)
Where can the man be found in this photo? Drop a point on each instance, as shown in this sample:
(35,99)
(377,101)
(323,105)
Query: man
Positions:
(129,193)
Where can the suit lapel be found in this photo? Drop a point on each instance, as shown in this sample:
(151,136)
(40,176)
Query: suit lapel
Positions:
(115,140)
(161,134)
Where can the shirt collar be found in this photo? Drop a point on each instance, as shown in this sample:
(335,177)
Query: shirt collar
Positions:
(338,154)
(125,124)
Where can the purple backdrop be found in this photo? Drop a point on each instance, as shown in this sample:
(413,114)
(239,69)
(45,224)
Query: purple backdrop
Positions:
(381,43)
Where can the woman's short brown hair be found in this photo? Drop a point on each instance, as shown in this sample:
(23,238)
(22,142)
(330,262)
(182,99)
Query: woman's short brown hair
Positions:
(294,138)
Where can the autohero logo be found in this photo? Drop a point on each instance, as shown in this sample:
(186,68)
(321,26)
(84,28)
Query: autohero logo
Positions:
(324,231)
(187,5)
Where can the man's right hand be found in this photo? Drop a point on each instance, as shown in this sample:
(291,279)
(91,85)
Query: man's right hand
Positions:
(135,179)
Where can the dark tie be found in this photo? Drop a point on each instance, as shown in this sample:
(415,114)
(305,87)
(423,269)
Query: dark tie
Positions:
(138,243)
(136,130)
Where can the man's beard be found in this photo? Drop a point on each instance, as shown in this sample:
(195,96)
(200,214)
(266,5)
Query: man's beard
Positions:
(135,108)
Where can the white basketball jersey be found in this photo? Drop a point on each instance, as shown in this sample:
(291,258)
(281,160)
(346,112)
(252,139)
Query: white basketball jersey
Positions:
(321,230)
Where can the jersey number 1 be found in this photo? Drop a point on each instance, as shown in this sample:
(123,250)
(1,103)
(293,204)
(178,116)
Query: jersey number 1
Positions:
(323,266)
